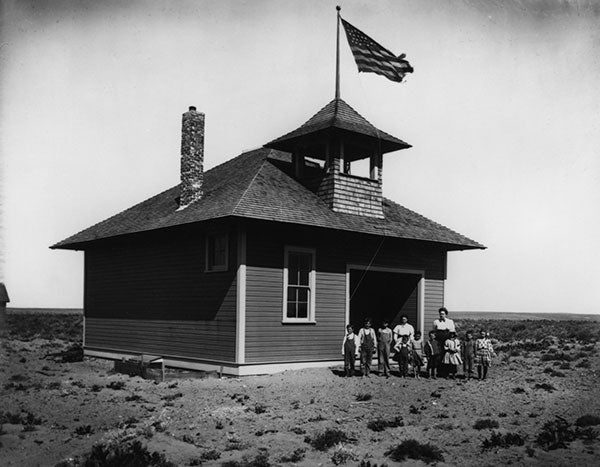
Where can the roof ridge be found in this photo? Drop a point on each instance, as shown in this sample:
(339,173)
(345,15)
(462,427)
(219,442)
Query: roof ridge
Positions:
(233,211)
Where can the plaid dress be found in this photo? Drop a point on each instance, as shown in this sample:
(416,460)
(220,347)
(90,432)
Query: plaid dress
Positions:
(484,352)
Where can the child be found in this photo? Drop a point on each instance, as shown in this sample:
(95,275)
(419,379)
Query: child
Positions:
(452,356)
(483,354)
(433,352)
(384,344)
(417,354)
(402,349)
(349,350)
(468,355)
(367,344)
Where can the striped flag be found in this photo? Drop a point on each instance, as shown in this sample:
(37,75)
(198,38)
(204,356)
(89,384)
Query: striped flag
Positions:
(372,57)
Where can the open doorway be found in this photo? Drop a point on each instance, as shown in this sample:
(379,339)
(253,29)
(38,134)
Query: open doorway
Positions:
(383,295)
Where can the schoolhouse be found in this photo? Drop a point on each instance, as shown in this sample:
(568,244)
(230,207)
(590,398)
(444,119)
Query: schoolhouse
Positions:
(257,265)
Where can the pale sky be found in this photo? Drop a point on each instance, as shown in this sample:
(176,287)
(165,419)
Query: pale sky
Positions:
(503,112)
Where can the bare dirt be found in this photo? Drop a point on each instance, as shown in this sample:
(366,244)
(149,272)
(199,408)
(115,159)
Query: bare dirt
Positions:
(271,420)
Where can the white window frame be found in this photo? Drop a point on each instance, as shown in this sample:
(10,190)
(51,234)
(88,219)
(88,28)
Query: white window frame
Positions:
(219,267)
(312,276)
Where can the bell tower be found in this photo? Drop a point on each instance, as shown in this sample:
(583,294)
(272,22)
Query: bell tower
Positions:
(337,135)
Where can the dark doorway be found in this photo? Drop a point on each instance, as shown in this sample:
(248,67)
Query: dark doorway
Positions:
(383,295)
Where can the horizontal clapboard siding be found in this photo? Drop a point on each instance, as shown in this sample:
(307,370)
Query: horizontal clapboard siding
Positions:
(267,339)
(434,299)
(157,337)
(152,295)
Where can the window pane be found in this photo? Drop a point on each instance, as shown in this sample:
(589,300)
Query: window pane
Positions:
(302,310)
(292,294)
(303,278)
(303,295)
(291,310)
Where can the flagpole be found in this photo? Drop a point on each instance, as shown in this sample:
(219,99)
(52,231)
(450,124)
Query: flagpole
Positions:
(337,56)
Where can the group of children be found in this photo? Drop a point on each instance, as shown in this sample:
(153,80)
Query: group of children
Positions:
(441,354)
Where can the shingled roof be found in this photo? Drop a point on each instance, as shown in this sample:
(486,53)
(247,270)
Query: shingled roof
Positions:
(258,185)
(337,115)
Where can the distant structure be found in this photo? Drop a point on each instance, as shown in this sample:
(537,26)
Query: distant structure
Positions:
(257,265)
(3,301)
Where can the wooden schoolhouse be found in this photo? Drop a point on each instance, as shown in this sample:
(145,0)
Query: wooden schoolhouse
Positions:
(257,265)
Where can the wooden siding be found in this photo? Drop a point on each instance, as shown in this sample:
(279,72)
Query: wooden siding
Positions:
(270,340)
(151,294)
(434,299)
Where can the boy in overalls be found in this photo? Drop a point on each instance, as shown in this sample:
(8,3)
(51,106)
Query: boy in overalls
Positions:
(368,343)
(384,346)
(349,350)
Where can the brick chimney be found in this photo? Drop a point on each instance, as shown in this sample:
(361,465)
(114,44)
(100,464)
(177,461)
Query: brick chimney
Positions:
(192,157)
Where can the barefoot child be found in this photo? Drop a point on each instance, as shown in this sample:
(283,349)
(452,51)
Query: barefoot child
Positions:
(417,354)
(368,344)
(433,352)
(402,349)
(468,354)
(484,353)
(452,355)
(384,344)
(349,350)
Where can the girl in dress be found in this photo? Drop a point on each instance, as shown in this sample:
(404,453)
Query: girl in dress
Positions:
(452,356)
(417,354)
(484,353)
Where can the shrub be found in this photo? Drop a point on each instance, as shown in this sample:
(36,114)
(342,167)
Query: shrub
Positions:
(444,426)
(172,397)
(518,391)
(22,418)
(587,420)
(131,453)
(327,439)
(485,423)
(555,434)
(116,385)
(587,433)
(83,430)
(260,408)
(565,357)
(342,454)
(261,460)
(412,449)
(361,397)
(134,398)
(381,424)
(545,387)
(294,457)
(583,364)
(498,440)
(565,366)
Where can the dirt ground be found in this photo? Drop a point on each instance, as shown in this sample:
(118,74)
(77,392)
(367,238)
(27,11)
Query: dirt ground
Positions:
(269,420)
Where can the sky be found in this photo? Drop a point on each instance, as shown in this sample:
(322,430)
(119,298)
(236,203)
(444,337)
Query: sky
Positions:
(502,112)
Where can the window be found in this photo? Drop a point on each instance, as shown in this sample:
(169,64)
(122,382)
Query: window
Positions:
(299,285)
(216,252)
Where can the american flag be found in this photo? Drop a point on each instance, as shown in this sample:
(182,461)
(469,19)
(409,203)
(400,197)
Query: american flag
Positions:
(372,57)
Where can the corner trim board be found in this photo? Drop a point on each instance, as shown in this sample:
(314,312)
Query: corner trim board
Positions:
(240,331)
